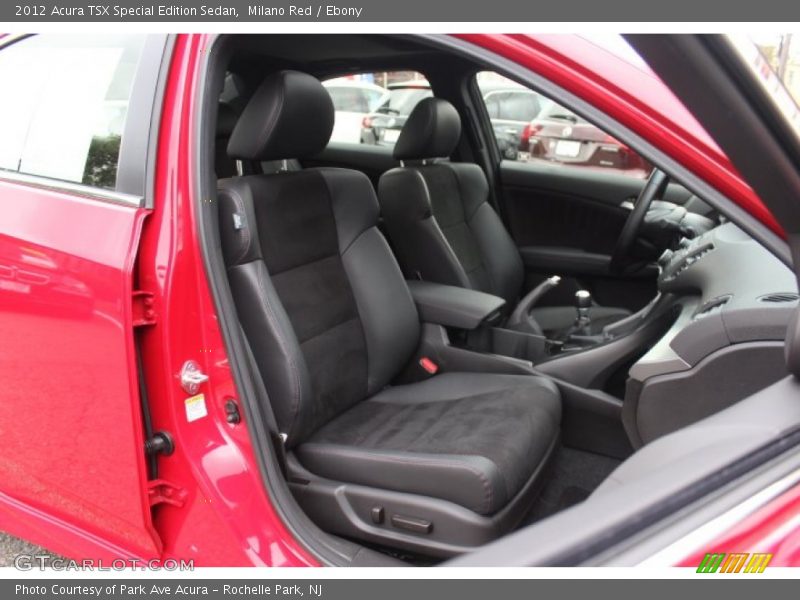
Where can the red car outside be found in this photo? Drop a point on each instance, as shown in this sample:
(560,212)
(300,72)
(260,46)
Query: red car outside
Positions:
(128,272)
(559,135)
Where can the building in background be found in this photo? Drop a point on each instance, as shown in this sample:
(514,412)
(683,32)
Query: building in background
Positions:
(783,54)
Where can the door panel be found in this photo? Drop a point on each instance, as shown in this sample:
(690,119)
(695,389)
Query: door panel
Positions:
(71,423)
(570,206)
(566,221)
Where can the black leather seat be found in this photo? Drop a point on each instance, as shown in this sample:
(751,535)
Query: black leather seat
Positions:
(443,228)
(224,165)
(440,465)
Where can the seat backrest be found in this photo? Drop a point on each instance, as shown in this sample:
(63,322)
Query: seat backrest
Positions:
(437,213)
(319,295)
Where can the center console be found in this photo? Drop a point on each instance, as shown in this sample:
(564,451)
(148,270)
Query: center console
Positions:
(733,302)
(463,330)
(713,335)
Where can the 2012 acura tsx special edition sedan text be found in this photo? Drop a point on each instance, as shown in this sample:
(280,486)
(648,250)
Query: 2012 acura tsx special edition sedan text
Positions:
(226,339)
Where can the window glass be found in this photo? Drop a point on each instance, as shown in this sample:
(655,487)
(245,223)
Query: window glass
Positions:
(371,108)
(532,128)
(64,103)
(351,98)
(774,59)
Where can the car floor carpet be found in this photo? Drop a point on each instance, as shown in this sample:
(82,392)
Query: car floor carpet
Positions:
(574,474)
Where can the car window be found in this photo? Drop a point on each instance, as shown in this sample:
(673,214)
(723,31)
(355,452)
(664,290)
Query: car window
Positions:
(533,129)
(512,106)
(64,103)
(355,99)
(371,108)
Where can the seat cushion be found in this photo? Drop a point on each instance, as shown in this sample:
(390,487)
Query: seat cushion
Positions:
(560,318)
(474,439)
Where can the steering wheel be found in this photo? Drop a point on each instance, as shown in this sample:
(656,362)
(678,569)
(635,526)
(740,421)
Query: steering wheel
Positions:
(654,188)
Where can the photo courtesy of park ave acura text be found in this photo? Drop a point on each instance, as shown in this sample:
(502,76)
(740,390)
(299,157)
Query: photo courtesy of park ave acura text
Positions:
(501,295)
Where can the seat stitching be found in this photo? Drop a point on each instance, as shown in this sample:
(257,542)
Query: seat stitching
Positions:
(329,329)
(476,395)
(452,404)
(467,220)
(272,317)
(239,202)
(327,185)
(277,273)
(487,488)
(358,316)
(447,245)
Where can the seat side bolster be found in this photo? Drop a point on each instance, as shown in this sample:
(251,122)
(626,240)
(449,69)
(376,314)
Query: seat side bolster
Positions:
(388,315)
(261,313)
(353,202)
(274,344)
(473,482)
(498,250)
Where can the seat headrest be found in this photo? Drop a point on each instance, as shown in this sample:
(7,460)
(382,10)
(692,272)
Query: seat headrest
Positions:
(431,131)
(289,116)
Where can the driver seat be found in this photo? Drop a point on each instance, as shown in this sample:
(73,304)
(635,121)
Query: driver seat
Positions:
(443,228)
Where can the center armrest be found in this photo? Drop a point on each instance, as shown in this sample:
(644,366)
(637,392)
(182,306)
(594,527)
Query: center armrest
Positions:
(453,306)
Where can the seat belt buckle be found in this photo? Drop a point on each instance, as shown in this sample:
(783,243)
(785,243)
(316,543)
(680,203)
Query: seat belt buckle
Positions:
(428,365)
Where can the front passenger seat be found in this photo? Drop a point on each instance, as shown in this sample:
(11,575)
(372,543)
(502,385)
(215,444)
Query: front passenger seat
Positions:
(438,466)
(443,228)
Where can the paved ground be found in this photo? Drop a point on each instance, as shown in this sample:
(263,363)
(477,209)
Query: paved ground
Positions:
(11,547)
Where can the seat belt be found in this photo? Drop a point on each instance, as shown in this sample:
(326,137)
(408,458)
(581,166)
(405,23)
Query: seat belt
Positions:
(277,438)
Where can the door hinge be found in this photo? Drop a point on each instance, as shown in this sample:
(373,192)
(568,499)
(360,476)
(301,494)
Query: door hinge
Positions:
(143,309)
(160,491)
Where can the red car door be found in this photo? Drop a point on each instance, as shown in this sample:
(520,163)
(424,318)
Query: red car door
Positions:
(72,463)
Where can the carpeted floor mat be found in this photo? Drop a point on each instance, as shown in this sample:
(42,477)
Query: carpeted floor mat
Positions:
(574,475)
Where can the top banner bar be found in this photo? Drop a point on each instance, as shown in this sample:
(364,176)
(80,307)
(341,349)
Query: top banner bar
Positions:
(232,11)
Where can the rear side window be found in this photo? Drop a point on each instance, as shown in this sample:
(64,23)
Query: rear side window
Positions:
(371,108)
(355,98)
(64,103)
(533,129)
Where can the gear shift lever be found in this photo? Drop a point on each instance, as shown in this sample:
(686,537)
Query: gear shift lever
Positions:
(583,302)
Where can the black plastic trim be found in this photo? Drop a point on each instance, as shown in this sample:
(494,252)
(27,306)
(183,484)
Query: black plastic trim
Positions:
(137,151)
(686,496)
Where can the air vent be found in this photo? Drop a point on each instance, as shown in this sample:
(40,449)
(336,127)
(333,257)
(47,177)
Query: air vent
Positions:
(780,297)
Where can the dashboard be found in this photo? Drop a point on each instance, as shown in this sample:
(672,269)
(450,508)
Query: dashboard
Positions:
(731,290)
(732,301)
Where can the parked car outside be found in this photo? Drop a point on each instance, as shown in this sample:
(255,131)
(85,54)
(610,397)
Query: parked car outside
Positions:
(511,109)
(352,100)
(383,126)
(559,135)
